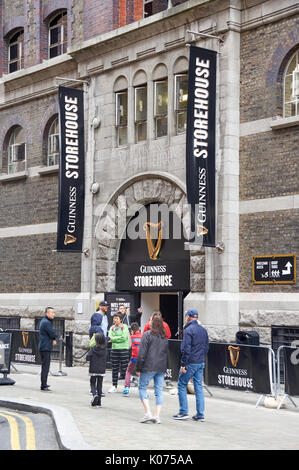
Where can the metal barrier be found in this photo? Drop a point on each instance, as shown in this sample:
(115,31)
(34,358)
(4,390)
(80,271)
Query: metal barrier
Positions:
(287,385)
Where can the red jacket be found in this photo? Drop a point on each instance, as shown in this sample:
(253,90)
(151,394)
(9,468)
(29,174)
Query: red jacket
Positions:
(136,339)
(166,328)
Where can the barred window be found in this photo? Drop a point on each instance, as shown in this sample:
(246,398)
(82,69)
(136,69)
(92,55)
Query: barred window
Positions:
(291,87)
(181,100)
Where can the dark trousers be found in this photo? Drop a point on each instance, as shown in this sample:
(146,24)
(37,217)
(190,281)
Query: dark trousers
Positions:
(119,361)
(46,359)
(96,384)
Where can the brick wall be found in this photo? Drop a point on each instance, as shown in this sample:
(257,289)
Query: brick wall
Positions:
(29,265)
(267,233)
(264,51)
(269,164)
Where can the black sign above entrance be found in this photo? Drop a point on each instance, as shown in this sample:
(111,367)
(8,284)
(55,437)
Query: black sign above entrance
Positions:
(153,277)
(274,269)
(152,257)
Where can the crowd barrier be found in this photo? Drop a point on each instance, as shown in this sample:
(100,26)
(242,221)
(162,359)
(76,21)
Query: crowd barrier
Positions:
(228,365)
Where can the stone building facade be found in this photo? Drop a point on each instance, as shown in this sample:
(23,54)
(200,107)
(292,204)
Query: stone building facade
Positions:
(115,47)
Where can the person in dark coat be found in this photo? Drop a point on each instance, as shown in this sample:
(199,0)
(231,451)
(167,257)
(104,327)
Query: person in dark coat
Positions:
(97,367)
(152,364)
(47,339)
(95,324)
(194,348)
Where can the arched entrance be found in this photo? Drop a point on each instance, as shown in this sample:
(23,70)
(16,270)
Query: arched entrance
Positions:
(125,246)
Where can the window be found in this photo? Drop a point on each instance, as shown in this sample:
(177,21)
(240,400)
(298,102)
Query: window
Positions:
(122,118)
(58,35)
(181,100)
(16,151)
(147,8)
(141,113)
(291,87)
(53,144)
(160,108)
(16,52)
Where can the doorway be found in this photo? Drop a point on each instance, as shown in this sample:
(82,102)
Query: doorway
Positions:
(169,309)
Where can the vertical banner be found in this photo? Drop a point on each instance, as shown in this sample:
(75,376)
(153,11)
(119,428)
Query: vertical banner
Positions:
(200,144)
(71,170)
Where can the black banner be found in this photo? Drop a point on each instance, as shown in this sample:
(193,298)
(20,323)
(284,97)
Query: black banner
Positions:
(5,352)
(291,367)
(200,144)
(24,347)
(239,367)
(71,170)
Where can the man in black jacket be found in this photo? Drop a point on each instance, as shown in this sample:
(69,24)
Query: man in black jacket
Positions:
(47,339)
(194,348)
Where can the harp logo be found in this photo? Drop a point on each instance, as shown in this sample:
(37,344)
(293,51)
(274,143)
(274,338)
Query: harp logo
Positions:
(69,239)
(153,249)
(25,337)
(234,352)
(201,230)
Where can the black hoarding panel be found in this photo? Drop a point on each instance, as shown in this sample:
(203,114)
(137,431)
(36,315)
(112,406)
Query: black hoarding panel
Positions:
(5,352)
(291,364)
(71,170)
(239,367)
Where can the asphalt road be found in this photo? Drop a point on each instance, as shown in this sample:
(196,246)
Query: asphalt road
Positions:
(26,431)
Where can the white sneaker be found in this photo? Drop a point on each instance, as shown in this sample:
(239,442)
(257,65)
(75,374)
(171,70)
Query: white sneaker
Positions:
(112,389)
(156,420)
(146,418)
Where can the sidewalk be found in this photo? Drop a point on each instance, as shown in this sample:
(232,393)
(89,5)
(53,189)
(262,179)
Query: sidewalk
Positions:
(232,419)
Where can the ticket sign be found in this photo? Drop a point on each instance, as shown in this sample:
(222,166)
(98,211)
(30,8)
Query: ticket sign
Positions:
(274,269)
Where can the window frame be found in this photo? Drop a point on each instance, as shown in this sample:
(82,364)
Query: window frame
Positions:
(51,137)
(13,163)
(294,100)
(179,112)
(62,33)
(121,127)
(159,118)
(19,60)
(140,124)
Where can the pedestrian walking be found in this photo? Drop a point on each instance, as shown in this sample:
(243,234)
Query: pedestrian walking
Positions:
(125,317)
(119,337)
(194,348)
(152,364)
(136,340)
(97,368)
(47,339)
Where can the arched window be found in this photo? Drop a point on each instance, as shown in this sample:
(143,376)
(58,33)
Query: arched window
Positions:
(16,51)
(16,151)
(291,87)
(58,35)
(53,144)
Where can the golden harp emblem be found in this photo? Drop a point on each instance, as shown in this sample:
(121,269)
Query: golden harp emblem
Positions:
(201,230)
(153,250)
(69,239)
(234,352)
(25,336)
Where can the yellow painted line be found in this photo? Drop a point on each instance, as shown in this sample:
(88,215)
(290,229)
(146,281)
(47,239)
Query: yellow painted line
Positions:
(14,432)
(30,433)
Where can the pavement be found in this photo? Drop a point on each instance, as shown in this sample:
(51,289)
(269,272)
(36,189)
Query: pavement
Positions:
(233,421)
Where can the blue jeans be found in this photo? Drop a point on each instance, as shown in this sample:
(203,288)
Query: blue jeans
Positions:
(194,372)
(144,380)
